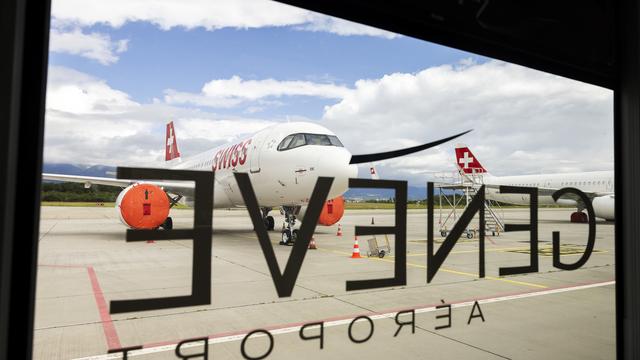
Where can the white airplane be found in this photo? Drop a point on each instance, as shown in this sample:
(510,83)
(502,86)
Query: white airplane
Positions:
(283,162)
(597,185)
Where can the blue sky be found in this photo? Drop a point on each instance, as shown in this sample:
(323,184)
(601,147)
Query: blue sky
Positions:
(184,60)
(119,70)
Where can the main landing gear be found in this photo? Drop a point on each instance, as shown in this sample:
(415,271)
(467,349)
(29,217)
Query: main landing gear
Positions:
(269,222)
(168,222)
(289,235)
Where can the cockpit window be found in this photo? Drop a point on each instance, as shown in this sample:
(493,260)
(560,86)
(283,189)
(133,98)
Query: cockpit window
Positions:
(297,140)
(285,143)
(316,139)
(334,141)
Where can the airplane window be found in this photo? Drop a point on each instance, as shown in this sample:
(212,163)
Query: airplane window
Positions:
(334,141)
(285,142)
(298,140)
(317,139)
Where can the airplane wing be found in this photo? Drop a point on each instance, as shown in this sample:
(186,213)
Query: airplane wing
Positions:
(359,159)
(175,187)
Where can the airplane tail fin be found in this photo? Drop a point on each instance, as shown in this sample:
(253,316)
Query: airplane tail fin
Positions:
(373,172)
(171,144)
(468,164)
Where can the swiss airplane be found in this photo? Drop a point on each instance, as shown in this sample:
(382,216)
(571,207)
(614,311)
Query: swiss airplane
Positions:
(283,162)
(597,185)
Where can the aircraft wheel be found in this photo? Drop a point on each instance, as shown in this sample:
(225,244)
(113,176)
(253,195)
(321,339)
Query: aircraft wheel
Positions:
(443,233)
(469,235)
(167,224)
(270,223)
(286,237)
(381,254)
(294,236)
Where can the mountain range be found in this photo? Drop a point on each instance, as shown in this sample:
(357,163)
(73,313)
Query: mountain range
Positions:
(413,192)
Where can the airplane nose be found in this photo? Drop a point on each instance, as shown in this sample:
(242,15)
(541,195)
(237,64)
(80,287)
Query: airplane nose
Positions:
(337,165)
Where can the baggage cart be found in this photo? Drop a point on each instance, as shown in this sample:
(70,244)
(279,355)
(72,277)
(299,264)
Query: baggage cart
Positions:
(378,249)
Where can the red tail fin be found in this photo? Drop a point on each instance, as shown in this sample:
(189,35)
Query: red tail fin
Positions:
(171,144)
(467,162)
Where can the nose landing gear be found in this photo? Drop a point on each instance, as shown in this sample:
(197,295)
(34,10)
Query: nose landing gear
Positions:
(289,235)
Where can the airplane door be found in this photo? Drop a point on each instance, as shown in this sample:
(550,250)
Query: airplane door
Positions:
(257,145)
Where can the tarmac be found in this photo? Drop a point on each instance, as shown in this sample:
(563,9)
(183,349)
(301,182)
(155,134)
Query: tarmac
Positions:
(84,263)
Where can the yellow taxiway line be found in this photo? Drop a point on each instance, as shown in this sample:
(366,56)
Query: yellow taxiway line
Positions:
(523,283)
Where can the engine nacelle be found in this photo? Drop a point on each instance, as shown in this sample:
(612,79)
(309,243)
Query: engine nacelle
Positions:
(604,207)
(331,213)
(142,206)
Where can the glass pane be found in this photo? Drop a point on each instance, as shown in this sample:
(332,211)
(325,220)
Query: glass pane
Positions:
(224,85)
(298,140)
(316,139)
(285,143)
(334,141)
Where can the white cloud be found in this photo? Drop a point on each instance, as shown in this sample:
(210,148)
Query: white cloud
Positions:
(78,93)
(234,91)
(343,27)
(209,14)
(89,122)
(523,121)
(94,46)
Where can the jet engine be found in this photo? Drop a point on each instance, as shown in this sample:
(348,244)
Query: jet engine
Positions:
(604,207)
(332,211)
(143,206)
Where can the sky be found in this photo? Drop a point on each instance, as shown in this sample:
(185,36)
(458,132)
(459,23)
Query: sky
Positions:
(222,69)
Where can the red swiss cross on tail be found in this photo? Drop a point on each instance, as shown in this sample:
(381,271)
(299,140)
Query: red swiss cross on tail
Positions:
(171,144)
(467,162)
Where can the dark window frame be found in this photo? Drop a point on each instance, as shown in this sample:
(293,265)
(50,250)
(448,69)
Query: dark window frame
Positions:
(24,35)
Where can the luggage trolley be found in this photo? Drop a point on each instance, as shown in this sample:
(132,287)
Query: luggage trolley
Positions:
(376,249)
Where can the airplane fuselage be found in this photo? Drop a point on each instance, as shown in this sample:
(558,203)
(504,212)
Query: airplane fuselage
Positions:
(601,182)
(279,175)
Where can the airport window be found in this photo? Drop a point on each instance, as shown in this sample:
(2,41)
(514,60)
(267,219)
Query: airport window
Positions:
(245,78)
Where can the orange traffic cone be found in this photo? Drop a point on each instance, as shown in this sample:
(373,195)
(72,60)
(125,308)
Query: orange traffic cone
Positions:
(312,244)
(356,249)
(339,230)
